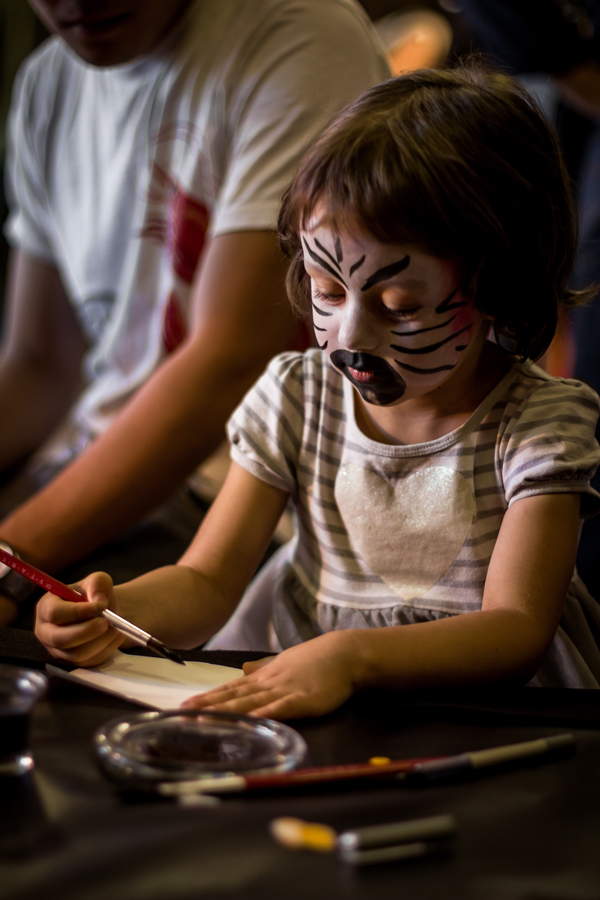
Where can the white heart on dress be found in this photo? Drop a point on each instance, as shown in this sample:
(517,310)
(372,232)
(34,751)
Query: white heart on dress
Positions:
(408,531)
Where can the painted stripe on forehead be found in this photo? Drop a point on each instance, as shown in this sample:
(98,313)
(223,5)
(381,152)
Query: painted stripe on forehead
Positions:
(387,272)
(357,265)
(328,254)
(322,262)
(423,330)
(430,347)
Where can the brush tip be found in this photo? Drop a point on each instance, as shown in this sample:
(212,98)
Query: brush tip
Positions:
(166,652)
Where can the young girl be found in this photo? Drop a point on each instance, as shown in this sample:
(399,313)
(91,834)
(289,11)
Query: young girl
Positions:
(437,475)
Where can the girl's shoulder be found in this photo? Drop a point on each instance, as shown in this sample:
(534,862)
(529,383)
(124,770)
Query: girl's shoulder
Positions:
(546,437)
(533,386)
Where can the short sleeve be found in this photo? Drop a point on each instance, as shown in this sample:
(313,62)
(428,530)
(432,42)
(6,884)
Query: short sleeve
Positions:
(29,224)
(310,62)
(550,444)
(265,431)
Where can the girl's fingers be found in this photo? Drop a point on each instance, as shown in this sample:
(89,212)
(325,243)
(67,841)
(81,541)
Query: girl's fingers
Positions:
(242,704)
(92,653)
(96,587)
(259,695)
(77,631)
(73,631)
(68,637)
(234,690)
(231,688)
(54,611)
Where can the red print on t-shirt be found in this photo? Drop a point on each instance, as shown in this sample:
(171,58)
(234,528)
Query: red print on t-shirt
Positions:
(183,232)
(189,225)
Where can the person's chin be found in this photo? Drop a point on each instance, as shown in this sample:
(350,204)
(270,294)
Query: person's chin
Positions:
(104,47)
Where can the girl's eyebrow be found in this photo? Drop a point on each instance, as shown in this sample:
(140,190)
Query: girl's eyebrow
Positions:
(387,272)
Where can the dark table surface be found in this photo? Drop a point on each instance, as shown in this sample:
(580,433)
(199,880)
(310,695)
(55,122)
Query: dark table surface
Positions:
(531,832)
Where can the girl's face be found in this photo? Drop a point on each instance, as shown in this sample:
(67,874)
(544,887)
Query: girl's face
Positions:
(392,318)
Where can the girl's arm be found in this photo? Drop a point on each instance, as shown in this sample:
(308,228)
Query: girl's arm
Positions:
(182,605)
(525,589)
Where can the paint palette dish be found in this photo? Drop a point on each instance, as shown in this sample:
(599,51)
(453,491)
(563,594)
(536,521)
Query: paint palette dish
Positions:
(142,750)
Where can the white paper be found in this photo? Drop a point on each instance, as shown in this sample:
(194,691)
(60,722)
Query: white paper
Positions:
(157,683)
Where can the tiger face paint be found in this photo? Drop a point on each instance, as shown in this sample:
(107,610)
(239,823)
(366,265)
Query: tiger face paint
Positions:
(392,318)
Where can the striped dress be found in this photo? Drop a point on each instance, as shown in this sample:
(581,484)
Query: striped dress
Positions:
(395,534)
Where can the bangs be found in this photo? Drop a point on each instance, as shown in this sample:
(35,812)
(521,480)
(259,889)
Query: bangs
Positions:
(371,183)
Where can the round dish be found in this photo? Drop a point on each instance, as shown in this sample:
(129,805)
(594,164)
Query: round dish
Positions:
(179,745)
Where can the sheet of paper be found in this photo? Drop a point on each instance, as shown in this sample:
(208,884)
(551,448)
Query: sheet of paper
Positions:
(157,683)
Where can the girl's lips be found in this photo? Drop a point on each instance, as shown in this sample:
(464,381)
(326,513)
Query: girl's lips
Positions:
(362,376)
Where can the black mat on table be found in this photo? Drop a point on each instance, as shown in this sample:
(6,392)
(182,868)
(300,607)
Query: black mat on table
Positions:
(552,706)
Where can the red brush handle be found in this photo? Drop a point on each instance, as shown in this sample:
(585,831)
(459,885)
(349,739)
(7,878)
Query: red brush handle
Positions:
(333,773)
(39,577)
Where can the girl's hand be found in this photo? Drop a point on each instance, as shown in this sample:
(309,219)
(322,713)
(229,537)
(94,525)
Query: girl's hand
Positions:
(76,632)
(307,680)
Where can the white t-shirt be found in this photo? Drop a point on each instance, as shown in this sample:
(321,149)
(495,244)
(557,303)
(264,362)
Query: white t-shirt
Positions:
(118,175)
(397,534)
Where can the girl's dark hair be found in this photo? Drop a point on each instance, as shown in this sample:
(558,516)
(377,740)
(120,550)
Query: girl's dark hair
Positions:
(464,163)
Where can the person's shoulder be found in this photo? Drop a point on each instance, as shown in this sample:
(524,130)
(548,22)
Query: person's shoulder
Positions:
(310,11)
(42,71)
(535,386)
(292,22)
(536,403)
(310,57)
(51,54)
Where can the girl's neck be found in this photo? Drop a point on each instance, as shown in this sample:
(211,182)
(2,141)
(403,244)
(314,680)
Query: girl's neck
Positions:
(438,412)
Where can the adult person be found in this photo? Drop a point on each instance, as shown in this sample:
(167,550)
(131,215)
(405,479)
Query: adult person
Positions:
(562,39)
(149,144)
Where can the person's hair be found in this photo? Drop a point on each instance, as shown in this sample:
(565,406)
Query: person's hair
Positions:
(464,163)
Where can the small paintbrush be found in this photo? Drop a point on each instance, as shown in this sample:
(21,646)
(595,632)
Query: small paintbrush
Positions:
(62,590)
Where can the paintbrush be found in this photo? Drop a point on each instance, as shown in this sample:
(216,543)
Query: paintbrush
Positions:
(54,586)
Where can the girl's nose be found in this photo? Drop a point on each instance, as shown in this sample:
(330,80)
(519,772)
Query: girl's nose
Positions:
(357,329)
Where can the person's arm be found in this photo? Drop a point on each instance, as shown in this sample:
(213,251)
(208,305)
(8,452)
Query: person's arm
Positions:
(40,362)
(525,589)
(241,318)
(185,604)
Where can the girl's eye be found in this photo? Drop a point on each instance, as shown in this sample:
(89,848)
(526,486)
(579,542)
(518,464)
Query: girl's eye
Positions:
(403,315)
(327,297)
